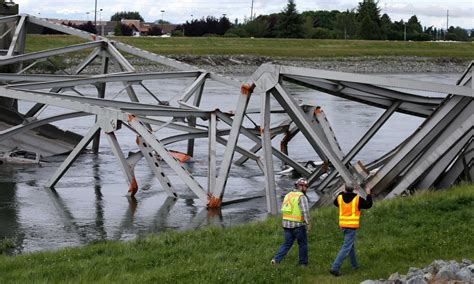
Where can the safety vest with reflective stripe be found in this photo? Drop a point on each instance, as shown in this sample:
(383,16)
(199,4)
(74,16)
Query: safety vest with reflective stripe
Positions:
(291,208)
(349,213)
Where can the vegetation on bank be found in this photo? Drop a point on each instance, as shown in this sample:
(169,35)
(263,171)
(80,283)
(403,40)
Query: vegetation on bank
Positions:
(365,21)
(395,235)
(277,48)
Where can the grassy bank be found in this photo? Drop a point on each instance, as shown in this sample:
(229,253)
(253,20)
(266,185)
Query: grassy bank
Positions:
(395,235)
(279,48)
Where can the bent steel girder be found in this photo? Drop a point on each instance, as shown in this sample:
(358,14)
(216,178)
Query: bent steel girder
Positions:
(7,77)
(48,53)
(378,81)
(105,78)
(368,99)
(15,130)
(203,134)
(427,134)
(360,144)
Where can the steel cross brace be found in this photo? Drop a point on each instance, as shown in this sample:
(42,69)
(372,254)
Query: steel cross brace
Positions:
(360,144)
(155,165)
(267,158)
(151,140)
(73,156)
(299,168)
(246,92)
(257,146)
(299,118)
(19,28)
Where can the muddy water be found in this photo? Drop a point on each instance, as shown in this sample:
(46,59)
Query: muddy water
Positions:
(90,202)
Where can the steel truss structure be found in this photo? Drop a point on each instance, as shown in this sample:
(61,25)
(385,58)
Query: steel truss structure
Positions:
(437,154)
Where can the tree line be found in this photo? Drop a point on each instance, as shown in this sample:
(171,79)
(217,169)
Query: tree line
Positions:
(363,22)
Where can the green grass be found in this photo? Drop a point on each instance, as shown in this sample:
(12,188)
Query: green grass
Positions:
(278,48)
(394,236)
(6,244)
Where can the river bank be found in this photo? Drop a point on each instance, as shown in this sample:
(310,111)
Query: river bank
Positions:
(395,235)
(245,65)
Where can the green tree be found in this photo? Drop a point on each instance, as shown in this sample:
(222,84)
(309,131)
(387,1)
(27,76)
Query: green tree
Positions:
(256,28)
(118,29)
(322,19)
(290,24)
(368,8)
(368,16)
(126,15)
(386,26)
(414,26)
(346,24)
(308,27)
(457,33)
(322,33)
(368,29)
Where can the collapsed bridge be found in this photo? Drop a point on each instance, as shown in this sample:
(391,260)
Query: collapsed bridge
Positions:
(438,154)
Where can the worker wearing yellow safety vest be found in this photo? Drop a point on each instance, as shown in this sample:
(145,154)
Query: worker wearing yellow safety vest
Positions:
(349,204)
(296,223)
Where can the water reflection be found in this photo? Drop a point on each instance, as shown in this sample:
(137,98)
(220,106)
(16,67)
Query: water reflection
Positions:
(9,225)
(99,203)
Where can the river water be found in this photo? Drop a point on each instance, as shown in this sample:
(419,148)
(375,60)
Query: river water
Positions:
(90,201)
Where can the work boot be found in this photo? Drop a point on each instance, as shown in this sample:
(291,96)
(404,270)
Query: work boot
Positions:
(274,262)
(335,273)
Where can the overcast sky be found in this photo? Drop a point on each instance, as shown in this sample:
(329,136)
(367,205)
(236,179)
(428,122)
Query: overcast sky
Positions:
(429,12)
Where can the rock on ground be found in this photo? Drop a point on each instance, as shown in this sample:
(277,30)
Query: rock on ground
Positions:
(439,271)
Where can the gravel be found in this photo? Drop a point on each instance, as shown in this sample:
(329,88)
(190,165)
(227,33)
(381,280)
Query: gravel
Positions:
(245,65)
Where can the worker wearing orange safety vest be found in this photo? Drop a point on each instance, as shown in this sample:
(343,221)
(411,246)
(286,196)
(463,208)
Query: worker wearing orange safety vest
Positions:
(296,223)
(349,204)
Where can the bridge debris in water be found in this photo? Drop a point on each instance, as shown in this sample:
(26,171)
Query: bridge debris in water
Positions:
(438,154)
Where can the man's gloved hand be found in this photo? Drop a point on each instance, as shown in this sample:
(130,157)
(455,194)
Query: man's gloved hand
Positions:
(367,190)
(308,227)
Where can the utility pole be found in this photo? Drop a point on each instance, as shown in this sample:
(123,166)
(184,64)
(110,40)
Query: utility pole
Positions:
(447,20)
(101,23)
(162,12)
(447,24)
(95,17)
(251,11)
(405,33)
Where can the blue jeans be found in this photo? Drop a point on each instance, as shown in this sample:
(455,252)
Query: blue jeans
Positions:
(348,248)
(300,235)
